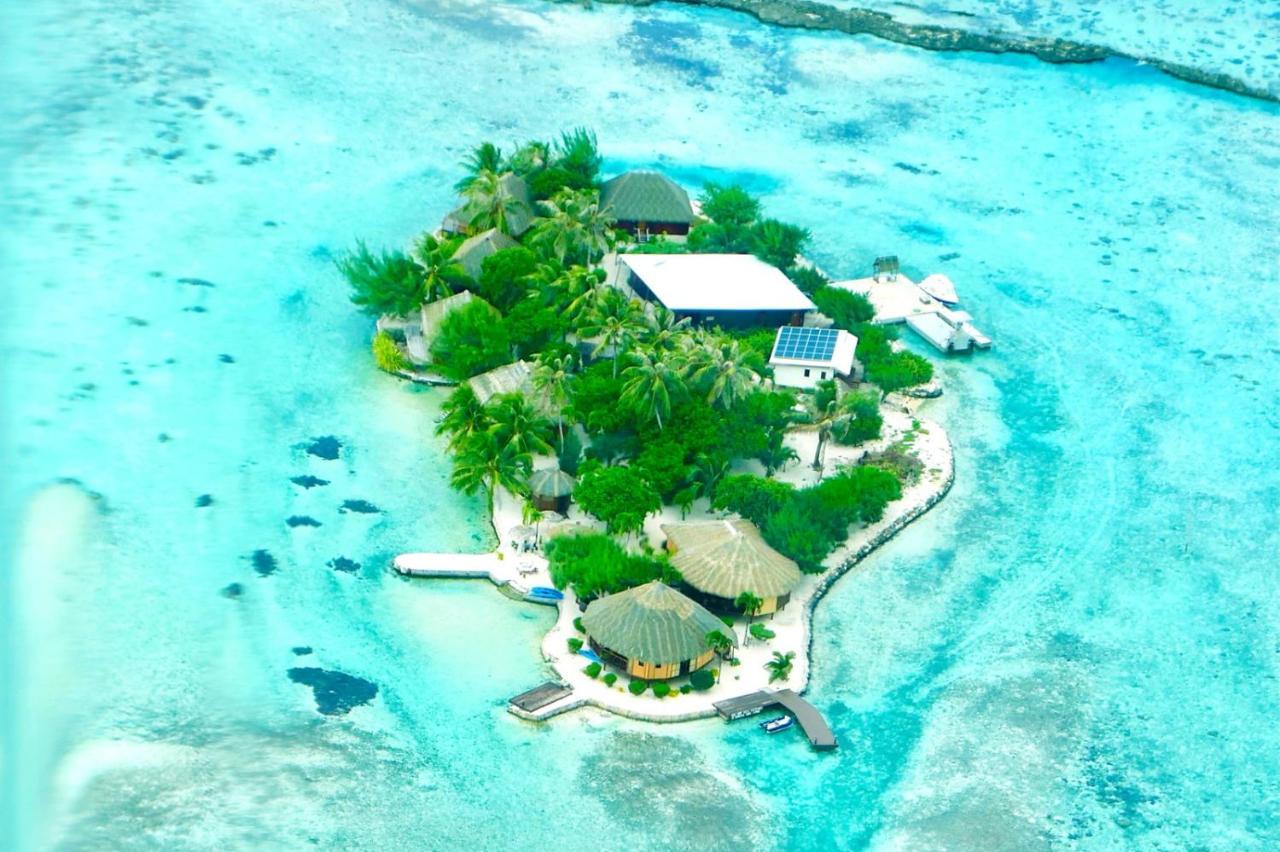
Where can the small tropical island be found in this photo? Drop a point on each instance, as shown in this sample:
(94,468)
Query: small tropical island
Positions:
(685,431)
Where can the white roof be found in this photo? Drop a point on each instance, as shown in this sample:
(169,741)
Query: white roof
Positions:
(717,282)
(841,357)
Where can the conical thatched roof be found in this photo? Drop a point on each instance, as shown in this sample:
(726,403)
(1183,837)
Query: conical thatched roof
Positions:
(727,558)
(652,623)
(645,197)
(550,482)
(516,377)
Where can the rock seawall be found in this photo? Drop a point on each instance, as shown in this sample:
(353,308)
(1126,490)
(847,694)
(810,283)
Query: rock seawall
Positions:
(810,15)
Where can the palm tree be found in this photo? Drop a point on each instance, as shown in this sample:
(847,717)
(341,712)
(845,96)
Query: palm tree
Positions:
(779,667)
(531,514)
(485,157)
(490,204)
(443,275)
(517,425)
(574,226)
(385,283)
(824,411)
(651,384)
(721,370)
(551,379)
(484,463)
(750,605)
(776,454)
(708,470)
(722,645)
(615,321)
(662,330)
(533,156)
(463,416)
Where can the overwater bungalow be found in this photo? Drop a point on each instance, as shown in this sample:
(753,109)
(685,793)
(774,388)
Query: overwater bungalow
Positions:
(645,203)
(651,631)
(731,290)
(719,560)
(551,489)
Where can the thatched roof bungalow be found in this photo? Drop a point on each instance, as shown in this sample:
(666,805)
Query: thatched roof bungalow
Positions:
(647,203)
(471,254)
(551,488)
(651,631)
(720,560)
(519,218)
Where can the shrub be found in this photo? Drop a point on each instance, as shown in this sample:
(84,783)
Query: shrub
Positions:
(575,644)
(661,689)
(848,310)
(727,619)
(797,534)
(863,421)
(504,276)
(759,631)
(900,370)
(637,686)
(778,243)
(752,497)
(610,679)
(686,689)
(472,339)
(387,355)
(898,460)
(729,205)
(592,670)
(571,452)
(808,279)
(702,679)
(595,564)
(577,625)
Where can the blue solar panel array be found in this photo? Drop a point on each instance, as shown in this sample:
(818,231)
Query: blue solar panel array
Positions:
(805,344)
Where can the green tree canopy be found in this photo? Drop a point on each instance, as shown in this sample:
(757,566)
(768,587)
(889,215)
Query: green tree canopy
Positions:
(472,339)
(848,310)
(619,496)
(388,282)
(729,205)
(752,497)
(778,243)
(505,276)
(594,564)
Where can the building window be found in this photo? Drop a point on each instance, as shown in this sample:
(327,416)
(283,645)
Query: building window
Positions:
(806,372)
(823,374)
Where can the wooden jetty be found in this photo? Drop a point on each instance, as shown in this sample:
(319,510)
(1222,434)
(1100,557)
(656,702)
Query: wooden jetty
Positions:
(811,721)
(478,565)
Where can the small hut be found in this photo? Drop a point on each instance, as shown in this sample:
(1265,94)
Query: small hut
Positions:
(471,254)
(645,203)
(651,631)
(719,560)
(519,217)
(551,488)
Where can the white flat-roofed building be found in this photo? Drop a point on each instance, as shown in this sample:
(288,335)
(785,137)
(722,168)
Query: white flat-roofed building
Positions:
(734,290)
(802,357)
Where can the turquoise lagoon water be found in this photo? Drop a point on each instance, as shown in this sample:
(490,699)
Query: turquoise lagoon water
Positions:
(1077,648)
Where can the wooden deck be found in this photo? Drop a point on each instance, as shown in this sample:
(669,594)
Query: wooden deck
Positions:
(540,696)
(811,721)
(447,564)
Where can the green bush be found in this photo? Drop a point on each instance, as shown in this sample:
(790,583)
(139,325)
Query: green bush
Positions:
(592,670)
(846,309)
(594,564)
(759,631)
(577,625)
(727,619)
(619,496)
(610,679)
(752,497)
(387,355)
(686,689)
(471,340)
(637,686)
(702,679)
(661,689)
(900,370)
(575,644)
(808,279)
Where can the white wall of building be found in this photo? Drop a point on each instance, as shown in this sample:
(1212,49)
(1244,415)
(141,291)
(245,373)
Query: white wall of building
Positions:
(792,376)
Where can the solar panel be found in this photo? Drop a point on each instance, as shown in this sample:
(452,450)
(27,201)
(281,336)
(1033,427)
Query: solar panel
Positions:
(805,344)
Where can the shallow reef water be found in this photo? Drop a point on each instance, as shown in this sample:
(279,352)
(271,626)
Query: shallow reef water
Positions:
(1078,647)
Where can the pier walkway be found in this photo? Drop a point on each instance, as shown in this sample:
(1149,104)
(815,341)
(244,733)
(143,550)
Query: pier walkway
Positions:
(811,721)
(900,300)
(481,565)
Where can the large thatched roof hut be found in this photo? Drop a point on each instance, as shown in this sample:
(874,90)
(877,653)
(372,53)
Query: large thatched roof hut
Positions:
(647,203)
(723,559)
(652,631)
(471,254)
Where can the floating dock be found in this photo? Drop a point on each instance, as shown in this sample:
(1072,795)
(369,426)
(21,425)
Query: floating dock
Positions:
(898,299)
(811,721)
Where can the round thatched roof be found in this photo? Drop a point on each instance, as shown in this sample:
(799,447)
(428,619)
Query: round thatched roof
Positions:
(551,482)
(727,558)
(652,623)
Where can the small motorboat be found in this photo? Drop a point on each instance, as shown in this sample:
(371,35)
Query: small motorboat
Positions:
(940,287)
(546,593)
(781,723)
